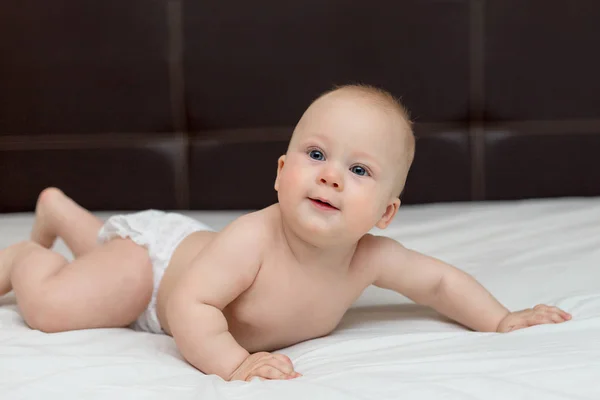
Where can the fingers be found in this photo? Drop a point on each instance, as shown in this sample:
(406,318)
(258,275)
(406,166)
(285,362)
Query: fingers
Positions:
(274,366)
(285,359)
(271,373)
(543,314)
(538,315)
(557,313)
(538,318)
(282,365)
(543,307)
(556,318)
(268,372)
(565,315)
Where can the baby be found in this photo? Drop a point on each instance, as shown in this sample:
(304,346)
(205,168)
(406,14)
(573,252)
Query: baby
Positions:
(271,278)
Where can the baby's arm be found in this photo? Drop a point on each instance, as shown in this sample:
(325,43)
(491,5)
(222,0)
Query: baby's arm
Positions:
(446,289)
(223,270)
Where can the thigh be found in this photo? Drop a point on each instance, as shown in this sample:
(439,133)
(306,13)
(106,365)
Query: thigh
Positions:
(107,287)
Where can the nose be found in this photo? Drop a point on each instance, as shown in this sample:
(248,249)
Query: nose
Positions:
(331,176)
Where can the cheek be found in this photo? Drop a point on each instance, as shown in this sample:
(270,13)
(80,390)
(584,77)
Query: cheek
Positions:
(291,179)
(363,199)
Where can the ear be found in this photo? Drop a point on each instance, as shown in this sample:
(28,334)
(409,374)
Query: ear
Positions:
(280,163)
(390,213)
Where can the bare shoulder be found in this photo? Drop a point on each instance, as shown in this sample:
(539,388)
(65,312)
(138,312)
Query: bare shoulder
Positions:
(377,252)
(237,248)
(249,232)
(376,247)
(229,263)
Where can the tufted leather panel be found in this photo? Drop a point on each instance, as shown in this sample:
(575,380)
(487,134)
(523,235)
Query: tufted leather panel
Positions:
(533,161)
(71,67)
(539,60)
(185,104)
(107,172)
(236,169)
(262,66)
(441,169)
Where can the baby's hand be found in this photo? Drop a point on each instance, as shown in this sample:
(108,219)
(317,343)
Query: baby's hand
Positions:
(540,314)
(265,366)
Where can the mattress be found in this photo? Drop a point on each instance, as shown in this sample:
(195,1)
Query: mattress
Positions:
(386,347)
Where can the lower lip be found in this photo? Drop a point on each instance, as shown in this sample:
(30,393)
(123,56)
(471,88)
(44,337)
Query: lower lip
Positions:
(323,206)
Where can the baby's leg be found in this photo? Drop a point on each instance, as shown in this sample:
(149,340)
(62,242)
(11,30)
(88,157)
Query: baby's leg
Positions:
(56,215)
(107,287)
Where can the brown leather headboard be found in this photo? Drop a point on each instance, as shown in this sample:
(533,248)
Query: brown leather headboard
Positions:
(178,104)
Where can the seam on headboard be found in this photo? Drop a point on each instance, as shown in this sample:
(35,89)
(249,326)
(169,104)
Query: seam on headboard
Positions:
(182,176)
(177,91)
(175,61)
(477,97)
(548,127)
(106,140)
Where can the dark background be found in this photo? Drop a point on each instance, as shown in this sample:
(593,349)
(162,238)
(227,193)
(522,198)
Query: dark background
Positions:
(177,104)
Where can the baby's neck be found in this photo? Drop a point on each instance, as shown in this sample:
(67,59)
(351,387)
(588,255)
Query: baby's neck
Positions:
(335,258)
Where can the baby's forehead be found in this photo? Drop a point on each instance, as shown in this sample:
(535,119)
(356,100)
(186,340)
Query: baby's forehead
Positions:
(355,105)
(355,118)
(349,112)
(355,115)
(382,146)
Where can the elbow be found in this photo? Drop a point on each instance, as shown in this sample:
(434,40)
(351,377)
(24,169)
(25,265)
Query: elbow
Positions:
(436,292)
(450,283)
(187,315)
(177,312)
(438,287)
(172,315)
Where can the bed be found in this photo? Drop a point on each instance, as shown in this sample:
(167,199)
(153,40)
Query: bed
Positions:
(524,252)
(186,105)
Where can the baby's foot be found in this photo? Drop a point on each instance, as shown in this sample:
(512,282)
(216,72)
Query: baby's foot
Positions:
(42,232)
(6,260)
(4,274)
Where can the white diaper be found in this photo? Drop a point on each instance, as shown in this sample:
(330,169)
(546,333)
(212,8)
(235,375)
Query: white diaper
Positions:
(160,232)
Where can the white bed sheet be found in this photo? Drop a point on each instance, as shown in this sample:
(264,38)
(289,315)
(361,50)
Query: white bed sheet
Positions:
(524,252)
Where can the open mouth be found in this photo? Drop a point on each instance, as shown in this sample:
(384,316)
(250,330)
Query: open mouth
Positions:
(322,204)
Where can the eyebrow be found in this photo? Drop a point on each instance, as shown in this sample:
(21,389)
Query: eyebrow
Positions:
(367,157)
(319,136)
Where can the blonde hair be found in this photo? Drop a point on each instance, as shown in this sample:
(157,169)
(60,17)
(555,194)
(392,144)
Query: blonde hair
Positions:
(380,96)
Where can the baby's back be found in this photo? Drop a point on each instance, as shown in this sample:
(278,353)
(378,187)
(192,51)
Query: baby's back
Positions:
(287,302)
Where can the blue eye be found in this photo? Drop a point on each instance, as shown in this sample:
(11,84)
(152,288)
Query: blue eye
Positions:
(358,170)
(316,155)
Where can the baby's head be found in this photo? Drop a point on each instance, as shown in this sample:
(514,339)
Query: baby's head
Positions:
(352,148)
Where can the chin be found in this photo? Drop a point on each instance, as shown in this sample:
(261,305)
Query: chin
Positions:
(313,228)
(317,229)
(321,233)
